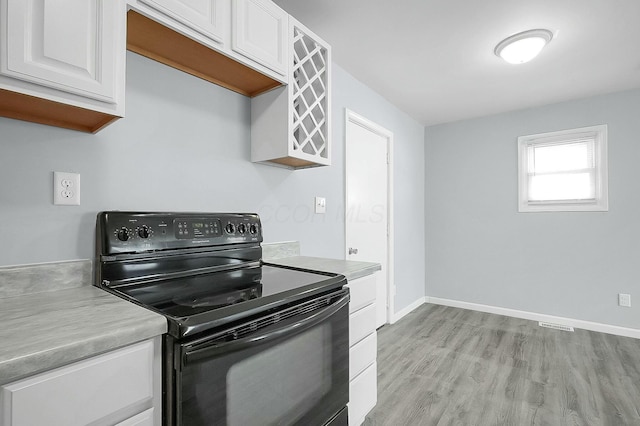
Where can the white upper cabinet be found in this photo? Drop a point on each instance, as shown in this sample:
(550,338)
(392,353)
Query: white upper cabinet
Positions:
(260,33)
(208,17)
(70,45)
(291,126)
(62,62)
(251,33)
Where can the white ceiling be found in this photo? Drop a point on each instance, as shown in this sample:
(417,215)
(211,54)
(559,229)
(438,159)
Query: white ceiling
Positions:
(434,58)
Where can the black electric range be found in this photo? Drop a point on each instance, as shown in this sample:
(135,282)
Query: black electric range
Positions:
(225,307)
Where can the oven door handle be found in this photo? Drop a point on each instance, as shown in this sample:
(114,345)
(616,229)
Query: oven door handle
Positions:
(309,321)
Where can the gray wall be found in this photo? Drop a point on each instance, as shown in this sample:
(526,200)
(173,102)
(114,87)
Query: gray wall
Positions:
(479,249)
(185,145)
(408,153)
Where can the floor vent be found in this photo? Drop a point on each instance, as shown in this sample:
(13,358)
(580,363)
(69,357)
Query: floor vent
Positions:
(555,326)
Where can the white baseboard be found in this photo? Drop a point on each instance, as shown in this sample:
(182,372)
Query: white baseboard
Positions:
(586,325)
(397,315)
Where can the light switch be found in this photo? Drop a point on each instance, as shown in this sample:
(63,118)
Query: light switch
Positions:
(321,205)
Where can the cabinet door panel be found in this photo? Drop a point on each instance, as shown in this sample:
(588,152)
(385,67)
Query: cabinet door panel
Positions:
(260,33)
(67,44)
(209,17)
(81,393)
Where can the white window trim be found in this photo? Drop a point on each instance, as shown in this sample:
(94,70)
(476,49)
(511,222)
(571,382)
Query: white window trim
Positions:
(601,203)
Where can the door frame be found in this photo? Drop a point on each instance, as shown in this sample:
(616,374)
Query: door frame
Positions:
(352,117)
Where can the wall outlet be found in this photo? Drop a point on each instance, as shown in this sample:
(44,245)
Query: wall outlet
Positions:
(321,205)
(66,189)
(624,300)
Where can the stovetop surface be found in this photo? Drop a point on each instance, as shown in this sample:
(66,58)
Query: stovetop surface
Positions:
(208,301)
(200,270)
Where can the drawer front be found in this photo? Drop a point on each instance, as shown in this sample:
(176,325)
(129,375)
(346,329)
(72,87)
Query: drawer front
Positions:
(81,393)
(143,419)
(363,395)
(363,292)
(361,324)
(362,355)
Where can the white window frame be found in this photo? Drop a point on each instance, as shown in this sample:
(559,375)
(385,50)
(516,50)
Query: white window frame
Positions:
(601,202)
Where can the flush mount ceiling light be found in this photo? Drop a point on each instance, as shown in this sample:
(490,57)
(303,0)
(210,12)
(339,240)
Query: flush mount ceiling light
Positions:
(524,46)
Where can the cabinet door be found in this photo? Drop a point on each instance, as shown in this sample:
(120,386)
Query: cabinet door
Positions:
(259,30)
(87,392)
(68,45)
(208,17)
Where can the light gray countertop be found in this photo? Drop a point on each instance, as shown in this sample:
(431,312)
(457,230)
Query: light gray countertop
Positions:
(351,269)
(41,331)
(48,329)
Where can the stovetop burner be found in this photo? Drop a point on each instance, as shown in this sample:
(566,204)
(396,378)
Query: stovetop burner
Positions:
(219,300)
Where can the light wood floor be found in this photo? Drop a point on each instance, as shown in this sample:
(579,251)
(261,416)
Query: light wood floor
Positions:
(449,366)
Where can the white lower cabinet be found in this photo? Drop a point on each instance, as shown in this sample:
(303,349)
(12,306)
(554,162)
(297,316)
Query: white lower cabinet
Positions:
(122,387)
(362,395)
(362,355)
(363,342)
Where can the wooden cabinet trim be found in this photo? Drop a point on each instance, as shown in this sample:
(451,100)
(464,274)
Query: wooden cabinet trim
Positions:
(155,41)
(43,111)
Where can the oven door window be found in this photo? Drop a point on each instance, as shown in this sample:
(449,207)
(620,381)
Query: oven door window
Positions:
(285,374)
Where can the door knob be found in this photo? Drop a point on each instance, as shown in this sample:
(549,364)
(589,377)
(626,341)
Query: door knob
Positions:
(353,250)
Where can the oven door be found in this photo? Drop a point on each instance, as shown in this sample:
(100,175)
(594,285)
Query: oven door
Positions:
(290,367)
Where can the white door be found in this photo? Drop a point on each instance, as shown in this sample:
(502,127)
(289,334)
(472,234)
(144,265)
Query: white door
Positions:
(367,201)
(69,45)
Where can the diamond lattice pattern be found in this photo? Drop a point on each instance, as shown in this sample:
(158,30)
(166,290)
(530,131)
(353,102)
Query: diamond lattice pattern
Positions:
(309,96)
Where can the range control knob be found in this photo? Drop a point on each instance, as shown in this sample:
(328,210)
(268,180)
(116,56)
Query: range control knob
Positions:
(253,229)
(230,228)
(242,228)
(123,234)
(143,231)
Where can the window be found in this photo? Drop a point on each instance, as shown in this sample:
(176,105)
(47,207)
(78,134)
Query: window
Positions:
(563,171)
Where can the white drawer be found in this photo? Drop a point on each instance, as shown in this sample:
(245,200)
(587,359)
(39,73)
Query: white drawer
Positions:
(363,395)
(143,419)
(362,355)
(363,292)
(81,393)
(361,324)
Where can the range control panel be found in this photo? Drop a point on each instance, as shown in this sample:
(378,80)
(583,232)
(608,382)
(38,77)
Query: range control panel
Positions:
(131,232)
(186,228)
